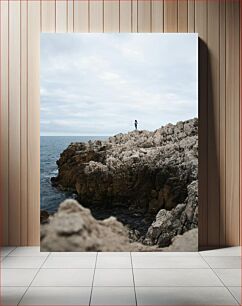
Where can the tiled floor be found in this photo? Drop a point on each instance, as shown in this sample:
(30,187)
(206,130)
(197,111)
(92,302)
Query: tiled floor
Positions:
(29,277)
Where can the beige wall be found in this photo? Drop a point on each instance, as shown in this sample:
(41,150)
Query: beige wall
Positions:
(217,23)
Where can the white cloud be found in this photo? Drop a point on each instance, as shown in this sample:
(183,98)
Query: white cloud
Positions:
(97,84)
(109,76)
(132,54)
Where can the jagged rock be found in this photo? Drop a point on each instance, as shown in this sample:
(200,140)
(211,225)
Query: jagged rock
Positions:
(188,242)
(73,228)
(153,173)
(149,170)
(177,221)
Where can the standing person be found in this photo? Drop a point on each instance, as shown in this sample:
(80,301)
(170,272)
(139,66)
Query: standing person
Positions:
(135,124)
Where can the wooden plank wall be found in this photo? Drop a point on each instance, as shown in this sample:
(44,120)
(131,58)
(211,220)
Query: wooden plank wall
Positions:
(217,23)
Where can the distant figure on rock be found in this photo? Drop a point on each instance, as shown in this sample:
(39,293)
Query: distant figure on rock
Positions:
(135,124)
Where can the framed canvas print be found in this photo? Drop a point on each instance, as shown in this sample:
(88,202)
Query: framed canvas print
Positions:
(119,142)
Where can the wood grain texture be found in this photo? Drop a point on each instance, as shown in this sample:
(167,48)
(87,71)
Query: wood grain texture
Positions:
(24,123)
(14,121)
(232,121)
(70,15)
(217,23)
(201,28)
(96,16)
(81,16)
(222,120)
(157,17)
(182,16)
(111,16)
(171,15)
(144,15)
(134,16)
(61,16)
(213,123)
(48,16)
(125,16)
(240,129)
(33,212)
(4,154)
(191,16)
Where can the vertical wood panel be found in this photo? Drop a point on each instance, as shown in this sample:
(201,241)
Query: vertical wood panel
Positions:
(23,124)
(70,16)
(125,16)
(61,15)
(157,16)
(96,16)
(134,15)
(222,120)
(33,123)
(182,16)
(48,16)
(201,28)
(111,16)
(144,15)
(232,121)
(81,16)
(14,122)
(4,123)
(240,128)
(171,15)
(213,123)
(191,16)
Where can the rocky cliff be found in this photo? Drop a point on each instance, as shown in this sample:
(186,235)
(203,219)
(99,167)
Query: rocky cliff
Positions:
(177,221)
(149,174)
(73,229)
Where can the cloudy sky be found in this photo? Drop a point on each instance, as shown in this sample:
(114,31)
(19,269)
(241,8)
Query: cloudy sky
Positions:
(98,84)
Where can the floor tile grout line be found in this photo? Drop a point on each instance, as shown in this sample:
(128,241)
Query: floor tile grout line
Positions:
(25,268)
(27,256)
(239,302)
(220,280)
(204,259)
(14,248)
(90,299)
(23,294)
(137,286)
(3,258)
(90,268)
(215,271)
(114,257)
(33,279)
(210,256)
(135,295)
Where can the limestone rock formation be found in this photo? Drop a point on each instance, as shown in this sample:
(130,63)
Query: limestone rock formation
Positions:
(148,173)
(177,221)
(73,229)
(188,242)
(150,170)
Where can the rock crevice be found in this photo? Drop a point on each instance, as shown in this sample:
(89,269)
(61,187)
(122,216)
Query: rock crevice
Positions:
(153,174)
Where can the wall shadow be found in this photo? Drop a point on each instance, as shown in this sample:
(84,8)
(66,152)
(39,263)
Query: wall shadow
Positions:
(209,169)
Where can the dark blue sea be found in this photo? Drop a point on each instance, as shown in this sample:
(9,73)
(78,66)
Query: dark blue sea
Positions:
(50,149)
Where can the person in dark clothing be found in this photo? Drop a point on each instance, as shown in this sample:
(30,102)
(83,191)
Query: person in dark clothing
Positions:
(135,124)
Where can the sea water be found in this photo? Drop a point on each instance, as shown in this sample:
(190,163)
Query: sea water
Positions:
(50,149)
